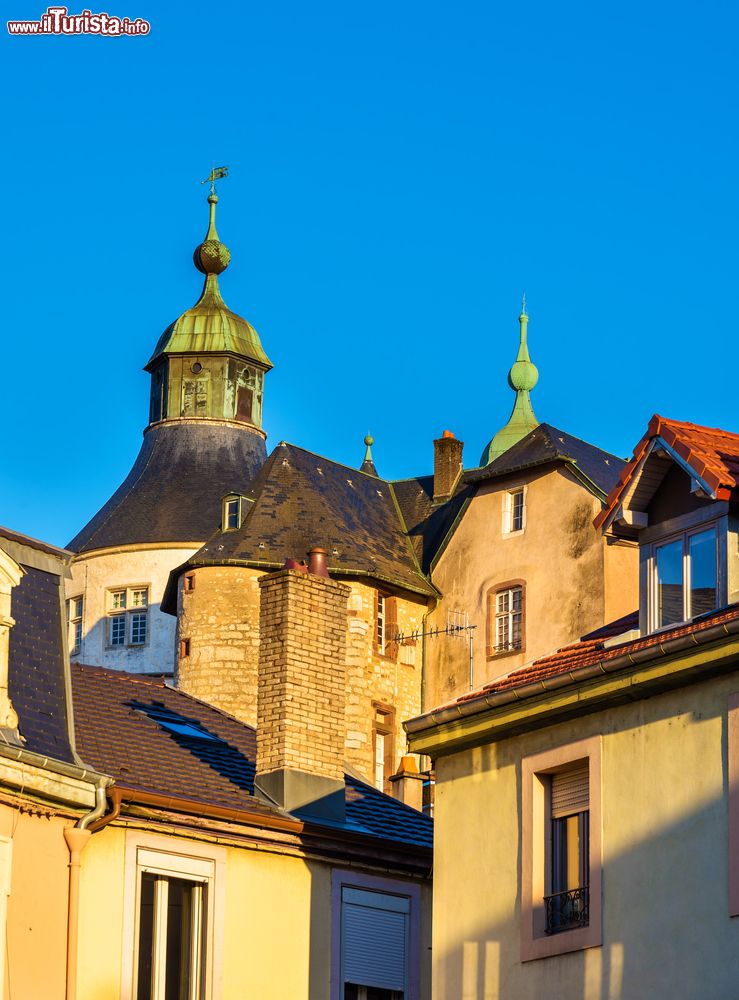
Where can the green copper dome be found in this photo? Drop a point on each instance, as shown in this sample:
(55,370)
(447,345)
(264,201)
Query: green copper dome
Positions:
(522,378)
(210,327)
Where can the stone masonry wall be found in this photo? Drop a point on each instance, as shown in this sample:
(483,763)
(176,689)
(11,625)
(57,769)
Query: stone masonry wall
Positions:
(220,617)
(302,674)
(371,677)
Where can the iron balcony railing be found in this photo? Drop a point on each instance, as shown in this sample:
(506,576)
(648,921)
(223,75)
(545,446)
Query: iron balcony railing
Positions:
(567,910)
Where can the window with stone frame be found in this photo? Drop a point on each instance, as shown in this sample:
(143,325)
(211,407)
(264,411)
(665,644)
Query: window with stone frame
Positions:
(561,849)
(506,618)
(127,612)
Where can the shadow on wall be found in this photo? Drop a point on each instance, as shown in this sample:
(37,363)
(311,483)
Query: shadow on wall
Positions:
(666,926)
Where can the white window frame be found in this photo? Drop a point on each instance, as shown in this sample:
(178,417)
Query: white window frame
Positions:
(381,624)
(509,617)
(507,528)
(240,502)
(127,611)
(652,589)
(75,623)
(173,858)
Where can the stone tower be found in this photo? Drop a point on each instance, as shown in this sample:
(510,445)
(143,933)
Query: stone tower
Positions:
(204,440)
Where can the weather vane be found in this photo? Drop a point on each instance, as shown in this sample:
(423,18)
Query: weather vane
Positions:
(215,175)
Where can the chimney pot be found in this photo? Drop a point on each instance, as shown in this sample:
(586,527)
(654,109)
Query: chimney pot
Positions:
(298,564)
(317,562)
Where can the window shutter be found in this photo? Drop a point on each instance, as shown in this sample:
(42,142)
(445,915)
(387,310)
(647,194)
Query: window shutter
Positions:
(570,791)
(391,627)
(374,939)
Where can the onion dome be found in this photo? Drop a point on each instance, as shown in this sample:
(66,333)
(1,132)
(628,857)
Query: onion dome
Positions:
(210,326)
(522,378)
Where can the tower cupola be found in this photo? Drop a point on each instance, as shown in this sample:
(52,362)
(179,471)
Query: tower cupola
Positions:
(522,378)
(209,364)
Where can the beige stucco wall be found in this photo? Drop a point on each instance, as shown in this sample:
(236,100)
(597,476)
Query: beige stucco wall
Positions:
(92,576)
(220,617)
(276,921)
(666,929)
(565,565)
(36,942)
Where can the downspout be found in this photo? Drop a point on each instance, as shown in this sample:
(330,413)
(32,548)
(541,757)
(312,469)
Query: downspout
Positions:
(77,838)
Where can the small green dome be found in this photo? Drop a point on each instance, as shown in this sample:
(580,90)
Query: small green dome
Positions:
(210,327)
(522,378)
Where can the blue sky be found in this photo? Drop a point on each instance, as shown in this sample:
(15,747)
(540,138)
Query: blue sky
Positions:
(400,174)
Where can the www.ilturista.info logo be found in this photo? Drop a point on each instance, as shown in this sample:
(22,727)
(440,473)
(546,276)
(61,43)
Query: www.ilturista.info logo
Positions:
(56,21)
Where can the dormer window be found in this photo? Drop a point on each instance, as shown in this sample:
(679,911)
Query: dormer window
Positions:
(685,577)
(233,511)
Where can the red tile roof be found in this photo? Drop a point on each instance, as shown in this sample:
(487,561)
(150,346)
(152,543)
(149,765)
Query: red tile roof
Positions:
(713,455)
(592,651)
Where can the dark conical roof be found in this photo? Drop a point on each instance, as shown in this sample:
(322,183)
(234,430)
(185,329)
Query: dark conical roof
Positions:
(173,492)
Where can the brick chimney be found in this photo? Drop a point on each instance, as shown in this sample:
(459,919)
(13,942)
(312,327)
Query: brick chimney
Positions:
(447,465)
(301,692)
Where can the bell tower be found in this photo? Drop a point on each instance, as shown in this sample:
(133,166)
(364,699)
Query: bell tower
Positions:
(209,364)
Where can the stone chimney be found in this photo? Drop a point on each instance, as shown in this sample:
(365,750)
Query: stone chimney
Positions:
(301,693)
(408,783)
(447,465)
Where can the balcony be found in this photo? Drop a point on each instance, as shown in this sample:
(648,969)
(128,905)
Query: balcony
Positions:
(567,910)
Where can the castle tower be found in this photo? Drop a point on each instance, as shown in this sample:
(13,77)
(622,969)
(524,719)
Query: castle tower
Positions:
(204,440)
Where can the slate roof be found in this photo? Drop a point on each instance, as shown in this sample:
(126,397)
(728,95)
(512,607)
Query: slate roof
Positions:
(428,524)
(301,500)
(713,455)
(548,444)
(121,723)
(36,661)
(173,492)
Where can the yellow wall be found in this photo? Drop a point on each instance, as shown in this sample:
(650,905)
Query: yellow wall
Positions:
(276,919)
(666,929)
(36,946)
(574,581)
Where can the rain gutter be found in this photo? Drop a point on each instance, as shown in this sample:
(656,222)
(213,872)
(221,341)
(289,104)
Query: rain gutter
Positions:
(450,728)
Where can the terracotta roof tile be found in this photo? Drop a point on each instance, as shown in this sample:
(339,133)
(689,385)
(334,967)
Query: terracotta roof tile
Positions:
(711,452)
(592,651)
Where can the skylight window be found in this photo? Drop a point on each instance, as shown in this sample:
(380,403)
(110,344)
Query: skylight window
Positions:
(181,727)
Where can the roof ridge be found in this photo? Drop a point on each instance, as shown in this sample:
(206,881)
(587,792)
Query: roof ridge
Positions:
(324,458)
(595,447)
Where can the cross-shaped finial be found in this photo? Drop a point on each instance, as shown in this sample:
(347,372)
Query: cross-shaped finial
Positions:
(215,175)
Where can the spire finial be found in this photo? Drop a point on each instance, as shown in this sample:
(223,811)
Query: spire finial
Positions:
(522,378)
(211,256)
(523,304)
(368,465)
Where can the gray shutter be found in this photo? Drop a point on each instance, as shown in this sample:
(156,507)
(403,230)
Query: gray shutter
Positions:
(570,791)
(374,939)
